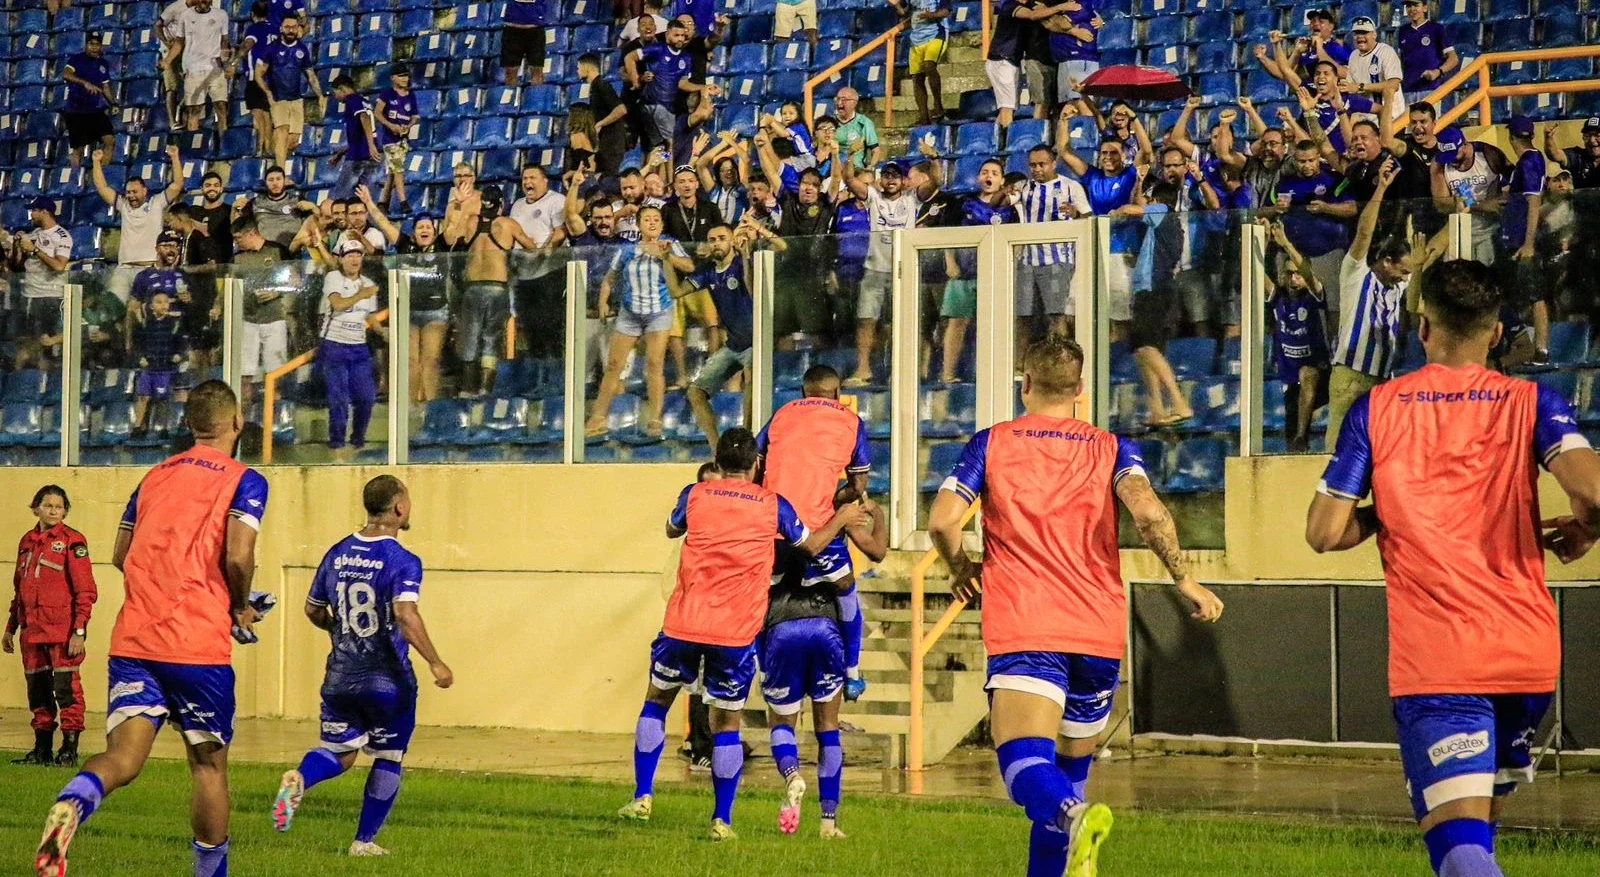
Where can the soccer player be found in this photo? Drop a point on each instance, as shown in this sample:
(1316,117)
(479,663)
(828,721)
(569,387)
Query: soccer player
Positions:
(715,614)
(1055,615)
(802,655)
(365,595)
(187,552)
(1450,456)
(804,448)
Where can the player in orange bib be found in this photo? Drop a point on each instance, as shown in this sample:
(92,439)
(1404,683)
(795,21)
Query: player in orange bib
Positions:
(1055,614)
(186,549)
(1451,455)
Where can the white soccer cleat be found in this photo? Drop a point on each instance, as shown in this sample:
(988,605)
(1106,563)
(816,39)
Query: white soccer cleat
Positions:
(59,827)
(1091,824)
(721,831)
(789,813)
(361,848)
(830,831)
(637,810)
(290,791)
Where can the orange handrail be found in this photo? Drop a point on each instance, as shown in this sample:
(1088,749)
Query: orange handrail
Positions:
(988,26)
(885,39)
(923,642)
(1485,90)
(269,391)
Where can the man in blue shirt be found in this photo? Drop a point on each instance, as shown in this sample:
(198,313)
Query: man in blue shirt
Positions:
(282,71)
(1426,55)
(396,114)
(1519,231)
(360,160)
(1295,62)
(662,69)
(1306,199)
(928,34)
(86,115)
(725,274)
(1111,183)
(365,595)
(1077,52)
(523,40)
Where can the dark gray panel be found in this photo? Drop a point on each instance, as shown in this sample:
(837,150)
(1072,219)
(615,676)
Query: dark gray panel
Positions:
(1580,673)
(1364,713)
(1262,672)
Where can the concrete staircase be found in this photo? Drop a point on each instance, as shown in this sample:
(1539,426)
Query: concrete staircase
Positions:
(961,71)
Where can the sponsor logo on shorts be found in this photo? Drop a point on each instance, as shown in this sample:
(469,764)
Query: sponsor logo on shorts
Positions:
(335,727)
(1458,746)
(193,711)
(125,689)
(775,692)
(665,672)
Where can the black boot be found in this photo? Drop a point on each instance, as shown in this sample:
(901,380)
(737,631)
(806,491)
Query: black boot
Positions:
(67,756)
(41,749)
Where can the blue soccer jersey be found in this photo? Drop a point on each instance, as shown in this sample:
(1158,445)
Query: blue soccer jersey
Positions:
(360,580)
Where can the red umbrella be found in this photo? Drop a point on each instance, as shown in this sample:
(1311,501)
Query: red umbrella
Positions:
(1131,82)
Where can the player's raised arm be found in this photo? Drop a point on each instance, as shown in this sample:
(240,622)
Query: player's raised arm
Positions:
(416,633)
(796,534)
(1159,532)
(871,535)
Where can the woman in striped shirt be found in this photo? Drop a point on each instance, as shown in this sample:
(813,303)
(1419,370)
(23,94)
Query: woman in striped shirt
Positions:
(646,277)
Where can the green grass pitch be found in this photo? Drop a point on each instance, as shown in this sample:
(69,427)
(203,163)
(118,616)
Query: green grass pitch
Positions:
(472,824)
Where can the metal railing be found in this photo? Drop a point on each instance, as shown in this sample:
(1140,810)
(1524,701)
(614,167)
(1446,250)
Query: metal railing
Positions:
(885,39)
(1483,94)
(923,642)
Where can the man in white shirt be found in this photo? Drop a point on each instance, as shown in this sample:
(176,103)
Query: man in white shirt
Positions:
(167,30)
(541,278)
(43,254)
(141,215)
(202,41)
(890,206)
(1465,181)
(630,31)
(1375,67)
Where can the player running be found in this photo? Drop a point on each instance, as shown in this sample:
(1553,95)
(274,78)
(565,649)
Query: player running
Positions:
(365,595)
(715,614)
(804,448)
(802,655)
(1055,615)
(1450,454)
(187,551)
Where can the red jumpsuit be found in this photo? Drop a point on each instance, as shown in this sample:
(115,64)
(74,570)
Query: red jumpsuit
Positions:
(55,595)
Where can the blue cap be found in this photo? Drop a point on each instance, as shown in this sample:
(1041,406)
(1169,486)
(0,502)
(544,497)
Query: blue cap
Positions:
(1521,126)
(898,168)
(170,237)
(1450,142)
(42,203)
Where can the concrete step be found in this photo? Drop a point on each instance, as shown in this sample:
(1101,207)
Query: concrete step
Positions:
(903,616)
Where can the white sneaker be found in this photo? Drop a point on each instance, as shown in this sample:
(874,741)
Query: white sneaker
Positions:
(366,848)
(637,810)
(789,813)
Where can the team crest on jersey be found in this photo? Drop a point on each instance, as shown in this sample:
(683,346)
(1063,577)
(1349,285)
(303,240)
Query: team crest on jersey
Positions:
(1322,190)
(1458,746)
(1427,41)
(994,219)
(58,547)
(1300,314)
(733,283)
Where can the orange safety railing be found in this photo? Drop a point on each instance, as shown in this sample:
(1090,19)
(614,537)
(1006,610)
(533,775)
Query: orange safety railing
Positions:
(1485,91)
(885,39)
(923,642)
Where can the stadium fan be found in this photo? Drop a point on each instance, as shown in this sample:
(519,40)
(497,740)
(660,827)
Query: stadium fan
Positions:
(649,19)
(1298,307)
(359,161)
(724,170)
(724,271)
(87,112)
(278,210)
(159,350)
(1112,182)
(282,71)
(610,117)
(140,214)
(857,136)
(349,303)
(892,205)
(426,264)
(397,115)
(1121,124)
(167,32)
(202,41)
(1264,164)
(1044,274)
(928,33)
(474,223)
(1426,55)
(793,15)
(1309,198)
(258,34)
(522,40)
(1074,46)
(1374,67)
(1582,161)
(1298,60)
(959,304)
(1466,179)
(43,254)
(541,270)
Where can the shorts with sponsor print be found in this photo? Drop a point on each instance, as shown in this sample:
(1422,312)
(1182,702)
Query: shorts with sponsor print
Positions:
(1456,746)
(728,673)
(1083,685)
(831,564)
(197,697)
(801,658)
(378,722)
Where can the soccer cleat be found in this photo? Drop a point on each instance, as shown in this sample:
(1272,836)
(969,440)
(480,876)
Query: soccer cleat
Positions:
(290,791)
(1091,824)
(789,813)
(854,688)
(721,831)
(59,827)
(366,848)
(637,810)
(830,831)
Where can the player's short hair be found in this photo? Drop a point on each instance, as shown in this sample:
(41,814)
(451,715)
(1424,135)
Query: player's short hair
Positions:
(1040,148)
(182,210)
(1423,107)
(706,472)
(629,172)
(1055,365)
(811,174)
(590,59)
(379,494)
(1306,146)
(51,490)
(736,450)
(1463,296)
(783,148)
(719,226)
(211,175)
(211,406)
(275,169)
(820,380)
(996,162)
(1394,248)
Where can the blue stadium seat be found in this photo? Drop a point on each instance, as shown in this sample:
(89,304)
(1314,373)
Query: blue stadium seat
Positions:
(1562,30)
(624,413)
(85,243)
(791,55)
(1152,8)
(755,28)
(376,24)
(966,16)
(336,27)
(1218,88)
(937,136)
(1259,22)
(1083,135)
(1511,35)
(1215,57)
(1025,134)
(475,15)
(964,177)
(1154,453)
(746,90)
(461,103)
(103,16)
(492,133)
(501,101)
(453,134)
(788,366)
(531,131)
(1353,9)
(445,163)
(374,49)
(433,47)
(30,71)
(787,85)
(1507,10)
(27,182)
(1275,415)
(591,38)
(1173,57)
(1216,404)
(977,105)
(430,101)
(1263,89)
(1199,467)
(830,52)
(975,138)
(24,385)
(501,164)
(1166,30)
(1464,35)
(141,14)
(1117,34)
(1192,357)
(1516,73)
(1569,343)
(1563,383)
(1569,69)
(31,44)
(728,406)
(142,93)
(942,458)
(504,420)
(959,416)
(750,58)
(542,100)
(445,422)
(335,53)
(416,21)
(842,23)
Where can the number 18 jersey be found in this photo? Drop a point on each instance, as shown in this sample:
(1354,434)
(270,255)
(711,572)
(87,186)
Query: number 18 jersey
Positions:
(360,580)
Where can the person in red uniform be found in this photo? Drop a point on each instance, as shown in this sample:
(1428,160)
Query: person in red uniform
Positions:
(1451,456)
(1055,614)
(733,527)
(55,595)
(804,448)
(186,549)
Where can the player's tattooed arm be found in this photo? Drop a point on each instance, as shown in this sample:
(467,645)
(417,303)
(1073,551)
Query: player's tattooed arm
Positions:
(1160,534)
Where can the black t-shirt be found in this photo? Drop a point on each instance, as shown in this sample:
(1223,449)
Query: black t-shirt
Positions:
(1585,168)
(1416,172)
(790,600)
(219,224)
(628,48)
(690,224)
(603,101)
(803,220)
(428,271)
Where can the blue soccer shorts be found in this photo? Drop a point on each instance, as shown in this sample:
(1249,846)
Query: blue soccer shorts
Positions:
(801,658)
(1456,746)
(198,697)
(831,564)
(379,723)
(728,671)
(1083,685)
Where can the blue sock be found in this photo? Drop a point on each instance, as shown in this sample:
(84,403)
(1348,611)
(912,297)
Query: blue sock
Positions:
(318,766)
(649,738)
(785,751)
(727,763)
(1077,771)
(1028,765)
(86,791)
(853,628)
(383,785)
(1047,851)
(1462,848)
(830,771)
(210,861)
